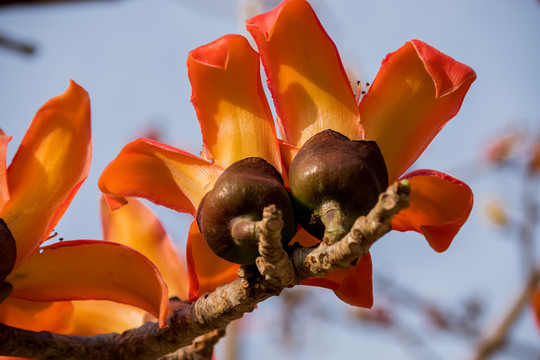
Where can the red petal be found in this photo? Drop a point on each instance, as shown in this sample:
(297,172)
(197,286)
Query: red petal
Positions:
(307,80)
(352,285)
(4,191)
(49,167)
(160,173)
(440,204)
(87,269)
(416,92)
(206,270)
(231,106)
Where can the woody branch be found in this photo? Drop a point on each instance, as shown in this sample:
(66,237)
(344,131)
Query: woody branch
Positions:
(229,302)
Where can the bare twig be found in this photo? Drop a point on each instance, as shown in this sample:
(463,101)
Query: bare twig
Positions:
(201,349)
(366,230)
(497,335)
(216,309)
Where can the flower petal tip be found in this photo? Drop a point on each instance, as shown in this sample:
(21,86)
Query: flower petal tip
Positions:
(115,202)
(440,205)
(448,74)
(212,54)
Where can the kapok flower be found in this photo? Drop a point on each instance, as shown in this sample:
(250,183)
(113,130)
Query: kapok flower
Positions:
(235,125)
(50,165)
(417,91)
(136,226)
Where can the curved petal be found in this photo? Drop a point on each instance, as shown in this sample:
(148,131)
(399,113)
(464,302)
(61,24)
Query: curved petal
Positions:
(91,269)
(48,168)
(160,173)
(37,316)
(136,226)
(352,285)
(4,191)
(307,80)
(440,204)
(206,270)
(288,152)
(92,317)
(416,92)
(229,99)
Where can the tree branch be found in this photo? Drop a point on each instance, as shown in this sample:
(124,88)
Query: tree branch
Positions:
(497,335)
(228,302)
(201,349)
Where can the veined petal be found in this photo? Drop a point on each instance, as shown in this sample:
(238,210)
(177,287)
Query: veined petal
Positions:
(416,92)
(352,285)
(160,173)
(307,80)
(37,316)
(206,270)
(440,204)
(4,191)
(91,269)
(229,99)
(92,317)
(136,226)
(48,168)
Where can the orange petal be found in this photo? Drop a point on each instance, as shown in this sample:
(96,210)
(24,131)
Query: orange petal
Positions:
(206,270)
(4,191)
(228,96)
(48,169)
(307,80)
(416,92)
(352,285)
(303,238)
(160,173)
(92,317)
(91,269)
(440,204)
(288,152)
(37,316)
(535,305)
(136,226)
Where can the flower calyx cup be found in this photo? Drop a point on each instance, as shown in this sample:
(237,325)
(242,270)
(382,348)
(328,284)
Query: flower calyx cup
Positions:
(228,214)
(333,181)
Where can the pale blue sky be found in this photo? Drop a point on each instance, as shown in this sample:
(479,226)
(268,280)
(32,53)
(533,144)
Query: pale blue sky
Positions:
(130,56)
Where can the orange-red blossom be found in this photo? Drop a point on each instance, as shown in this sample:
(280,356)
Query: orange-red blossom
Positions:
(416,92)
(50,165)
